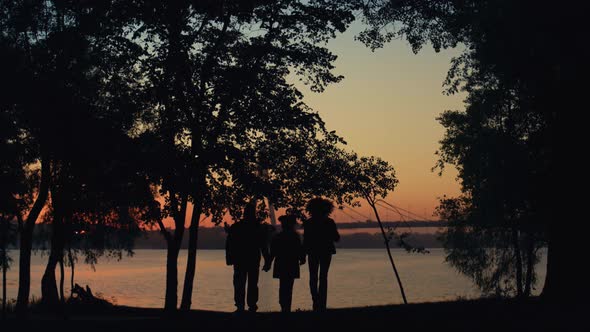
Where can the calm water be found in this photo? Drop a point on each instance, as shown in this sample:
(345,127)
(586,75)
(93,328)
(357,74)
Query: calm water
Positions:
(358,277)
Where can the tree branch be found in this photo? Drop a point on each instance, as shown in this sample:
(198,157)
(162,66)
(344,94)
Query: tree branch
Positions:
(164,232)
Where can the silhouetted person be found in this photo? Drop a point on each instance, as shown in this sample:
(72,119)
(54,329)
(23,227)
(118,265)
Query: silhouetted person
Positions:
(246,242)
(319,235)
(287,252)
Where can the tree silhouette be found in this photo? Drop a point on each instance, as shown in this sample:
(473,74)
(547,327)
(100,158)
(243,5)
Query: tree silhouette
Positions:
(13,186)
(495,146)
(323,168)
(96,175)
(71,58)
(372,179)
(510,52)
(217,73)
(21,116)
(301,165)
(103,195)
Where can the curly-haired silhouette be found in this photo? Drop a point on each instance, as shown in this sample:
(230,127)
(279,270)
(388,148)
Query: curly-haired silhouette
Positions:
(287,252)
(319,235)
(246,242)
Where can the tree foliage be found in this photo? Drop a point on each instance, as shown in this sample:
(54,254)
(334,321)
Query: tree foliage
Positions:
(70,101)
(215,78)
(504,143)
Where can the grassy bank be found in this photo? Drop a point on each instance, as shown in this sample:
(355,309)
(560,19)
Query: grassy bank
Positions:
(476,315)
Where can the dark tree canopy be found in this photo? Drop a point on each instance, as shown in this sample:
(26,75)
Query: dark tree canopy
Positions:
(70,100)
(215,81)
(520,68)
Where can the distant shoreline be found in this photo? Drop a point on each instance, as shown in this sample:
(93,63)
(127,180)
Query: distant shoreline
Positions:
(403,224)
(214,238)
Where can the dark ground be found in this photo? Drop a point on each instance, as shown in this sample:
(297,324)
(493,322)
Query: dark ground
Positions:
(477,315)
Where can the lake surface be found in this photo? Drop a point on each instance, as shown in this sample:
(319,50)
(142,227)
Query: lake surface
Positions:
(358,277)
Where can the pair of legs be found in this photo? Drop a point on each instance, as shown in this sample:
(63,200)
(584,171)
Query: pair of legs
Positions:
(247,273)
(319,264)
(286,293)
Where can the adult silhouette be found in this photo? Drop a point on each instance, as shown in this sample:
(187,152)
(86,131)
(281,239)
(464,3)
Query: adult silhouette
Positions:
(287,252)
(319,235)
(246,242)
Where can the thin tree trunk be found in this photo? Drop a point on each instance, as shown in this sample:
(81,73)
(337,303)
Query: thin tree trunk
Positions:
(174,242)
(200,171)
(71,259)
(4,257)
(4,269)
(530,265)
(518,256)
(26,240)
(61,280)
(191,264)
(386,241)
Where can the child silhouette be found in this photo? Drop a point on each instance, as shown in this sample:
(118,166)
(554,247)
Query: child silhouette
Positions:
(287,252)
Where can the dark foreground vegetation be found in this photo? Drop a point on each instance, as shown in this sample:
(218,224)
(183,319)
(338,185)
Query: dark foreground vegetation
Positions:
(531,314)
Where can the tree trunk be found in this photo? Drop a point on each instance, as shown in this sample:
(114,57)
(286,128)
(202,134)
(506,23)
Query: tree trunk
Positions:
(386,241)
(71,259)
(563,282)
(4,227)
(171,278)
(61,280)
(49,292)
(24,271)
(530,264)
(197,181)
(49,295)
(566,240)
(566,248)
(191,264)
(518,257)
(173,243)
(26,240)
(4,269)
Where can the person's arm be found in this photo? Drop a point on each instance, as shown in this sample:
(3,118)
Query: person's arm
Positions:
(264,245)
(336,235)
(301,251)
(271,256)
(228,248)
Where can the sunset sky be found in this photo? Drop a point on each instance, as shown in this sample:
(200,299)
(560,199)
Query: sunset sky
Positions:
(387,106)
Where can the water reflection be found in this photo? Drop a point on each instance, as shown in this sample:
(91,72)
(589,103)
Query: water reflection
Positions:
(358,277)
